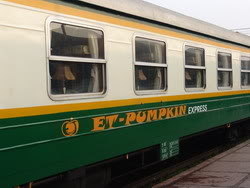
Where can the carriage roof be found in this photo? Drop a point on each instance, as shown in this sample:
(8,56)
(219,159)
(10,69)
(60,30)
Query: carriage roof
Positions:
(159,14)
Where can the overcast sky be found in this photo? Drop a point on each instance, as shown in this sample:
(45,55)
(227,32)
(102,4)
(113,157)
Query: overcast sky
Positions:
(230,14)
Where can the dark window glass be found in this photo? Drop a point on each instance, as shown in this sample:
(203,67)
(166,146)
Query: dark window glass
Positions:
(245,63)
(245,71)
(150,51)
(74,41)
(224,78)
(150,78)
(68,76)
(245,78)
(72,78)
(194,78)
(224,60)
(194,56)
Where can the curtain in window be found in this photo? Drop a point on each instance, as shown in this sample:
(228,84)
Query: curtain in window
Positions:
(198,63)
(198,57)
(199,79)
(94,52)
(244,79)
(158,59)
(225,75)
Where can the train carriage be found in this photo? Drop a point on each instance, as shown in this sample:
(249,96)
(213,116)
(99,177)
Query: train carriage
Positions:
(86,83)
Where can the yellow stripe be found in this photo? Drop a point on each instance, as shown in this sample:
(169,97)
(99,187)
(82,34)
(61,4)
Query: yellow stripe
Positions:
(42,110)
(117,21)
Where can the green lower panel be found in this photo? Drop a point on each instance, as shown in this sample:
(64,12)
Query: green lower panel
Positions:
(35,147)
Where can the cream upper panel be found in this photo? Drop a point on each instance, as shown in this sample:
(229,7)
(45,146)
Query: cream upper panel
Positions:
(27,77)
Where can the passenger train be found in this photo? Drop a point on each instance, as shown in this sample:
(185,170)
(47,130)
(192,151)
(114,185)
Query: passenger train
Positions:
(87,85)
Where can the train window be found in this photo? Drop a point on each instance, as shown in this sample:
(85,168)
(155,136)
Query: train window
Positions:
(195,70)
(245,71)
(150,65)
(76,61)
(225,70)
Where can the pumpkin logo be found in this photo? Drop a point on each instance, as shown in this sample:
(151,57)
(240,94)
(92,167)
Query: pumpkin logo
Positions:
(70,128)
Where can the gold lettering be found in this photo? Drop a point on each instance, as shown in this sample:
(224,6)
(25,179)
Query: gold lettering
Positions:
(99,123)
(176,111)
(130,117)
(141,118)
(111,119)
(162,112)
(102,122)
(183,109)
(170,112)
(152,115)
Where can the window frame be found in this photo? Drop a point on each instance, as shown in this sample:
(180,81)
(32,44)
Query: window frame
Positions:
(74,96)
(160,65)
(194,67)
(224,69)
(244,71)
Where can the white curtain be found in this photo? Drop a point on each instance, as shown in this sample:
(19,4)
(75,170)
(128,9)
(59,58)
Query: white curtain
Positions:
(244,79)
(158,59)
(93,48)
(245,65)
(198,63)
(225,75)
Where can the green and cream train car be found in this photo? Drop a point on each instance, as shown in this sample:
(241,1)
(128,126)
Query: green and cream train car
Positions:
(84,82)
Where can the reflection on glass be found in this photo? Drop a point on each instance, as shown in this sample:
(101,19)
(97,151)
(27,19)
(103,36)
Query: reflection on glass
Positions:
(224,79)
(150,51)
(245,79)
(245,63)
(224,60)
(73,78)
(150,78)
(74,41)
(194,78)
(194,56)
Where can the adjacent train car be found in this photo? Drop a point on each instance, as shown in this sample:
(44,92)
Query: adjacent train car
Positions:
(85,83)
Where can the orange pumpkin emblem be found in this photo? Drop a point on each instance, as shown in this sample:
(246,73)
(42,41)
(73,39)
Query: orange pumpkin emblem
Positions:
(70,128)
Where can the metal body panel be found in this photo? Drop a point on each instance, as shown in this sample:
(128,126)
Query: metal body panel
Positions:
(46,146)
(32,140)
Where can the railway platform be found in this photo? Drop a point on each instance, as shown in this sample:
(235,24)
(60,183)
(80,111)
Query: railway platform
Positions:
(228,169)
